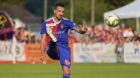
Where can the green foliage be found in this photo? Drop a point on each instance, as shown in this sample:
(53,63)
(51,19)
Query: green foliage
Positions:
(129,23)
(117,3)
(35,7)
(100,8)
(82,8)
(82,11)
(17,2)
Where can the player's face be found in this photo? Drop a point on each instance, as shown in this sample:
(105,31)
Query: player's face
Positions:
(59,12)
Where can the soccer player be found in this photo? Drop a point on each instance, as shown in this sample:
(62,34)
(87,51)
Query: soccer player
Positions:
(54,38)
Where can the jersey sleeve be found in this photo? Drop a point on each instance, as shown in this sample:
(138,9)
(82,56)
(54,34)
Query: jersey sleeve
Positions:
(43,28)
(72,24)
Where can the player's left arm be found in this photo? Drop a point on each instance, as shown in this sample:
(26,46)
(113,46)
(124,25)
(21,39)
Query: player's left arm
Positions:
(81,29)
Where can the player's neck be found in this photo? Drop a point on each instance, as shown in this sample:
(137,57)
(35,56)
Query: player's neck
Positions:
(56,20)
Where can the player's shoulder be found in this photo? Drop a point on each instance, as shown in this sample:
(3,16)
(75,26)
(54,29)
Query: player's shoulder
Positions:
(48,20)
(66,19)
(68,22)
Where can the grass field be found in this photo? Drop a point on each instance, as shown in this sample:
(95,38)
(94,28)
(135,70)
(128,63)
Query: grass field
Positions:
(79,70)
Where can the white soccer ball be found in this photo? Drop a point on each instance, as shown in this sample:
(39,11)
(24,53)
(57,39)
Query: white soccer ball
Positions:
(112,20)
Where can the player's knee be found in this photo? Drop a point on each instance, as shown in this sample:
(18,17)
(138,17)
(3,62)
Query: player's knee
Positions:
(66,70)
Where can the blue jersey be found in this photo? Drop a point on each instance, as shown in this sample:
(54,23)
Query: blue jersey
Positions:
(60,29)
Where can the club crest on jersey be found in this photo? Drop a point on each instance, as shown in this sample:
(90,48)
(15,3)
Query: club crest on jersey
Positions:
(61,26)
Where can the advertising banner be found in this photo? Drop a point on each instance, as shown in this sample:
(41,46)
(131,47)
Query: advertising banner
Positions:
(98,52)
(6,54)
(131,53)
(34,52)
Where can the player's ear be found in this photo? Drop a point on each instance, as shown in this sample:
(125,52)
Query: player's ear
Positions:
(54,10)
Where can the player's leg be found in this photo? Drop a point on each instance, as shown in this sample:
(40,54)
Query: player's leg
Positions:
(52,47)
(65,60)
(66,72)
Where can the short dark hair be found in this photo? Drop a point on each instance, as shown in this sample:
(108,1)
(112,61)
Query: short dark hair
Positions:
(59,4)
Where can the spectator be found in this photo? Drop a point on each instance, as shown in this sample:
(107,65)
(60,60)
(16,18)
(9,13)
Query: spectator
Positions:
(72,38)
(26,36)
(110,34)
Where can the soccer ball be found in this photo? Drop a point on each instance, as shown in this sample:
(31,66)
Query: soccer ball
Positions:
(112,20)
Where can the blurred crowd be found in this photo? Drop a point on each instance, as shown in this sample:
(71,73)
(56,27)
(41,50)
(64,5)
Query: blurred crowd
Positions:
(26,36)
(95,34)
(106,34)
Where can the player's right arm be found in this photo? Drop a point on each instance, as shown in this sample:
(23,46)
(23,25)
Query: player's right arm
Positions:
(43,42)
(43,47)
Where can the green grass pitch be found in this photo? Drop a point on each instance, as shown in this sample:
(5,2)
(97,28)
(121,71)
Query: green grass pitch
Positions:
(79,70)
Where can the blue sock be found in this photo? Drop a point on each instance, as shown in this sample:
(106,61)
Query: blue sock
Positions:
(66,75)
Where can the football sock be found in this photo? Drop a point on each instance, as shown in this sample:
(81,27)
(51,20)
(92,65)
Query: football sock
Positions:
(66,75)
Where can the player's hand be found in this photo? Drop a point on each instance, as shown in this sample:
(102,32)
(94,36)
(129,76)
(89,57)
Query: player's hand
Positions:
(43,57)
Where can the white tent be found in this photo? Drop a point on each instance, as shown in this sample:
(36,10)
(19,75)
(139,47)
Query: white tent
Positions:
(131,10)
